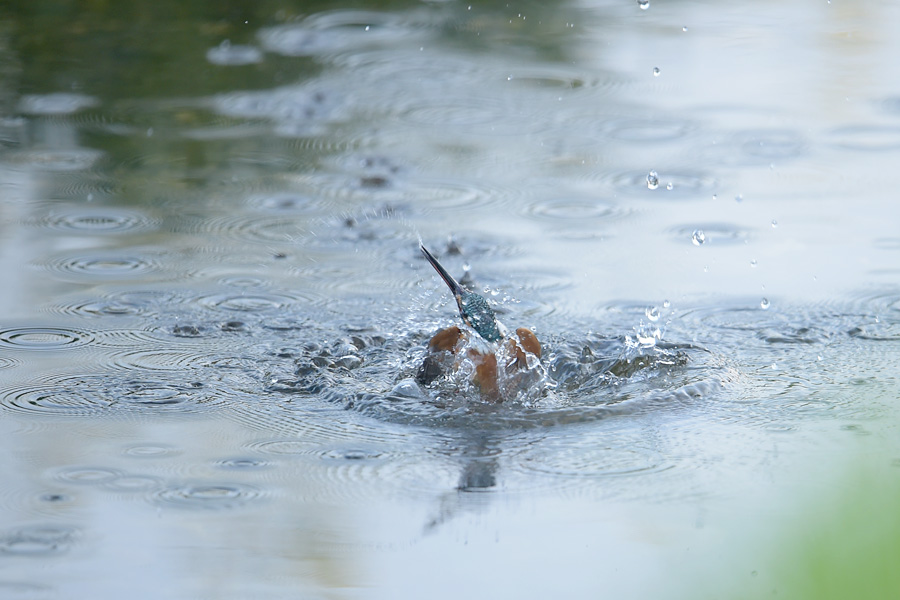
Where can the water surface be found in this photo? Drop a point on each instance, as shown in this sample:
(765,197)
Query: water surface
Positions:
(214,306)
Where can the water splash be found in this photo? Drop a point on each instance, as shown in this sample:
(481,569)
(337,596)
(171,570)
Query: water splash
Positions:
(456,376)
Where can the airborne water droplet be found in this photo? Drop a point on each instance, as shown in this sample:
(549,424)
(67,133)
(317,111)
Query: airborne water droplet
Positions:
(644,4)
(656,71)
(774,223)
(652,313)
(698,237)
(652,180)
(670,186)
(764,303)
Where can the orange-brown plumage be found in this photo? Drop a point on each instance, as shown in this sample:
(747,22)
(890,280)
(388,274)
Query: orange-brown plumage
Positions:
(482,349)
(453,340)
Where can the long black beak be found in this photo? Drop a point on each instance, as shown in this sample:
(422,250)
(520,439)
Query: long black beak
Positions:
(457,289)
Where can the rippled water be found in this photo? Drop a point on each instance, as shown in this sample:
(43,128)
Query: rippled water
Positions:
(214,305)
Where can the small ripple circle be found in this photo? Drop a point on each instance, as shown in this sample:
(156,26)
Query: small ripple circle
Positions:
(206,495)
(43,338)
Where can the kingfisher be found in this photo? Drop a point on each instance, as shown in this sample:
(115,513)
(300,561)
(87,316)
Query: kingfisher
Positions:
(481,343)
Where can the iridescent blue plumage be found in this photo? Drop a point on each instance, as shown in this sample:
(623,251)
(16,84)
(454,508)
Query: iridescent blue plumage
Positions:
(479,316)
(474,309)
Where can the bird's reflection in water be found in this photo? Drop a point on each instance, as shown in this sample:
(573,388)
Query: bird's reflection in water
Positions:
(477,478)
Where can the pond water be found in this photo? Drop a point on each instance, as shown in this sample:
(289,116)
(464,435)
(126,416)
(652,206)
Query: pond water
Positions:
(214,306)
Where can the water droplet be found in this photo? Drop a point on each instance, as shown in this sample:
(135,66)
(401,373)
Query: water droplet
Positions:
(149,132)
(753,263)
(774,224)
(644,4)
(652,180)
(715,196)
(666,304)
(652,313)
(670,186)
(764,303)
(698,237)
(656,71)
(646,340)
(739,198)
(407,388)
(684,29)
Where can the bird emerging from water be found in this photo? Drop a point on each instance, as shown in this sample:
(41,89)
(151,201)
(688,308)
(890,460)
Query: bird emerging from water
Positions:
(497,361)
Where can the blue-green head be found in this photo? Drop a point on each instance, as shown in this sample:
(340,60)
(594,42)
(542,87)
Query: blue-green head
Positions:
(474,309)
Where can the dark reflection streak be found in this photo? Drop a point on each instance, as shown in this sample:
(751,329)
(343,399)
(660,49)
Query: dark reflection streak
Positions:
(478,474)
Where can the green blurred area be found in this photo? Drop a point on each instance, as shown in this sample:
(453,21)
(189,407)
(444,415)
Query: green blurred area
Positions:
(837,543)
(132,49)
(143,49)
(849,544)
